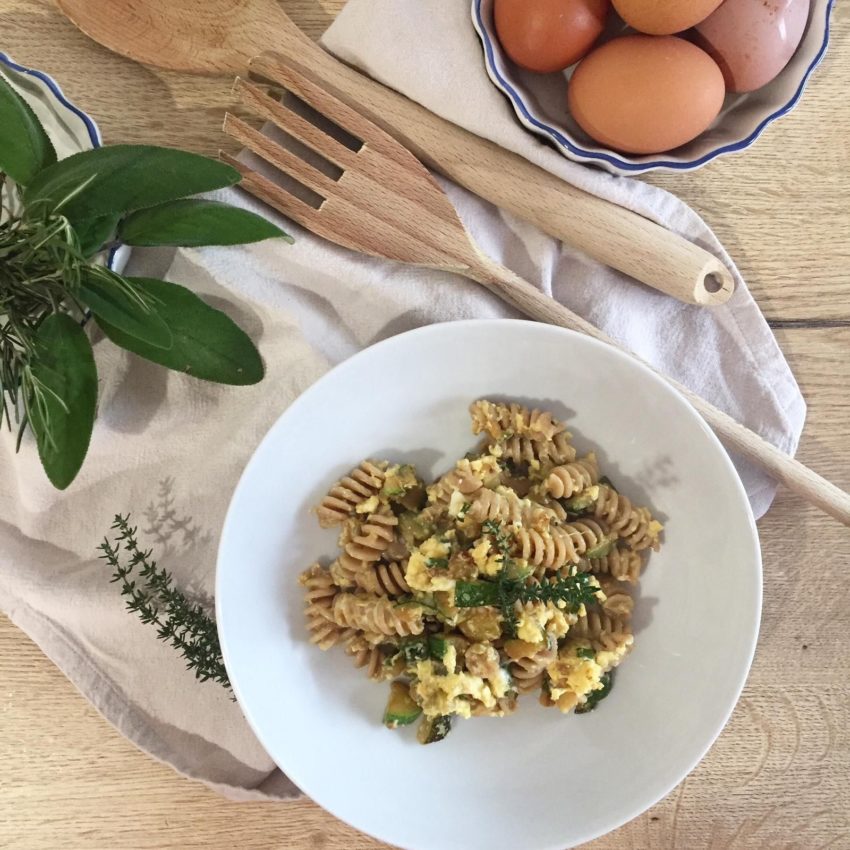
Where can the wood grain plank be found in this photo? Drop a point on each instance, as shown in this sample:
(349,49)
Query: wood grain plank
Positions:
(777,775)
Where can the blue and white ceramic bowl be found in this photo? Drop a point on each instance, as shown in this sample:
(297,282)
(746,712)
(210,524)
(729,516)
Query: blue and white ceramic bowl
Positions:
(70,129)
(540,103)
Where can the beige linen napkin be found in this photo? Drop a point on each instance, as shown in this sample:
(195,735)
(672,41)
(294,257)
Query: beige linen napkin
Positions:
(170,449)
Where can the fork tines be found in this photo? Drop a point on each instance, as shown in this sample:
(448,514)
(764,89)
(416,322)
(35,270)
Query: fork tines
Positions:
(340,175)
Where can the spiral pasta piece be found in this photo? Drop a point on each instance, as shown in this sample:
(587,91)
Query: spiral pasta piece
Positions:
(503,505)
(369,658)
(319,595)
(560,545)
(461,479)
(617,511)
(530,451)
(355,488)
(383,578)
(603,630)
(502,421)
(529,663)
(558,511)
(646,534)
(571,478)
(504,706)
(376,614)
(372,537)
(344,571)
(618,601)
(621,564)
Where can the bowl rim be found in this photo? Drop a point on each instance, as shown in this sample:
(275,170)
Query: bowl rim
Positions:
(609,159)
(117,256)
(91,126)
(230,522)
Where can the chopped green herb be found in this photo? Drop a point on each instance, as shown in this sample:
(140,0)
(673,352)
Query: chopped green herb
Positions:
(461,514)
(492,527)
(595,697)
(585,652)
(574,591)
(437,563)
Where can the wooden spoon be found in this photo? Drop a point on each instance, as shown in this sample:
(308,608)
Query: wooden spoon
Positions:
(208,37)
(222,36)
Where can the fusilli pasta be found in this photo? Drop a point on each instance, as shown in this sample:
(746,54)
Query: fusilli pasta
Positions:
(354,489)
(508,575)
(571,478)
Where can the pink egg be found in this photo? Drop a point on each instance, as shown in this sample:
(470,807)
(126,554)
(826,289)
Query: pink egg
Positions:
(753,40)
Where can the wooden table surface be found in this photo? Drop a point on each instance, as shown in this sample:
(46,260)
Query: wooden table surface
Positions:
(778,775)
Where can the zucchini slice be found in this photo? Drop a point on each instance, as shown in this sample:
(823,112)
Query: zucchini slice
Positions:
(401,708)
(433,729)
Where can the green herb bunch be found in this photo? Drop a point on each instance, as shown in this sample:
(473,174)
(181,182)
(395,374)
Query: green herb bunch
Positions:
(58,220)
(511,586)
(150,593)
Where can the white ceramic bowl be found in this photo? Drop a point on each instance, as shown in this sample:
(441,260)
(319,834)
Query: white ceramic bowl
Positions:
(537,779)
(540,103)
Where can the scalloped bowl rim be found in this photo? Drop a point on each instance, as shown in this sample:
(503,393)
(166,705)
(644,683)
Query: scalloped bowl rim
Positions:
(609,159)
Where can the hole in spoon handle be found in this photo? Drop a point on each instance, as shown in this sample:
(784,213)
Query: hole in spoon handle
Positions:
(714,286)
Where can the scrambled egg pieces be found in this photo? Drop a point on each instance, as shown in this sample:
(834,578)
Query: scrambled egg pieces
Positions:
(419,575)
(451,692)
(574,674)
(368,506)
(536,622)
(488,562)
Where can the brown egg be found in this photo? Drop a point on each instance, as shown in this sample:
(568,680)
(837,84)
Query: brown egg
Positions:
(644,94)
(549,35)
(664,17)
(753,40)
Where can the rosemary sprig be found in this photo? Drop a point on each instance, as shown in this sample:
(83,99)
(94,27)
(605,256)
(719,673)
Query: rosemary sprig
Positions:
(150,593)
(40,269)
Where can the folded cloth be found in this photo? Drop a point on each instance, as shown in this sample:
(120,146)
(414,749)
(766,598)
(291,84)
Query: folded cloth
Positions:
(169,449)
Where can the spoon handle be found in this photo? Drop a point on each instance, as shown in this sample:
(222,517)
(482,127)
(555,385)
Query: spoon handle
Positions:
(736,437)
(609,233)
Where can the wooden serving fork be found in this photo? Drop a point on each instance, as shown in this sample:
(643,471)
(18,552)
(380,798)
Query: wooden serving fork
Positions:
(385,203)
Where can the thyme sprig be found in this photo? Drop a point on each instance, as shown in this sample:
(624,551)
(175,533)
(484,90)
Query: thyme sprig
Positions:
(511,587)
(150,593)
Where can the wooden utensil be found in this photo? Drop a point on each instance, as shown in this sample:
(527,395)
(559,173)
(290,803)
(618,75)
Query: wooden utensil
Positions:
(385,203)
(221,36)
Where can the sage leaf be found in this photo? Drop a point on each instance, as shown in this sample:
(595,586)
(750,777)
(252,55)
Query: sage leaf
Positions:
(63,397)
(94,233)
(116,300)
(206,343)
(194,222)
(25,148)
(122,178)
